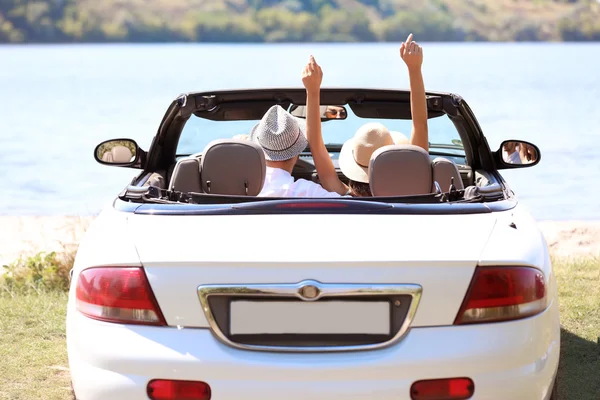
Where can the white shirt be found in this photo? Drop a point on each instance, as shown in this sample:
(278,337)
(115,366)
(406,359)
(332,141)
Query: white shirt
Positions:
(514,158)
(279,183)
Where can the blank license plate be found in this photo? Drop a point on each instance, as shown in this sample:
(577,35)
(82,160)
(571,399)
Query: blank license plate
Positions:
(333,317)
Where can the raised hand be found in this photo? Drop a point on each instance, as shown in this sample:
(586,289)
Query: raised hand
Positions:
(411,53)
(312,76)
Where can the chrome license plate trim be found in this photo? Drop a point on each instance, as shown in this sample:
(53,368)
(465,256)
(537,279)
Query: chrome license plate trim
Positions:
(316,290)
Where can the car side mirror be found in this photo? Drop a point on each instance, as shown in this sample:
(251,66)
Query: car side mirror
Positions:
(517,154)
(119,153)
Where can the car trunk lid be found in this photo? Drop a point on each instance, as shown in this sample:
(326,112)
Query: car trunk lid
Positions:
(437,252)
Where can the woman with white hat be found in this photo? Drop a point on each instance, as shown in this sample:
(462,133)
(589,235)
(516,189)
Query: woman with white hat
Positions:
(356,152)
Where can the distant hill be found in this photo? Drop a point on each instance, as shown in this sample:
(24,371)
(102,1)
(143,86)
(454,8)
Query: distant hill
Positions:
(59,21)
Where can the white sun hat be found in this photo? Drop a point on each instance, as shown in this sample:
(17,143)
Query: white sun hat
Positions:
(280,135)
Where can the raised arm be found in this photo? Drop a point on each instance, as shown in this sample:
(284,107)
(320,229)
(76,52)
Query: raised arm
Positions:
(412,55)
(312,75)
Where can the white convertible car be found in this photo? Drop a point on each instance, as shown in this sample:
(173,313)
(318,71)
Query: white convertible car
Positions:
(190,286)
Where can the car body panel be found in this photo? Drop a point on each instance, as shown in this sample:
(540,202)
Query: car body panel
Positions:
(517,240)
(516,360)
(271,238)
(246,249)
(107,241)
(510,360)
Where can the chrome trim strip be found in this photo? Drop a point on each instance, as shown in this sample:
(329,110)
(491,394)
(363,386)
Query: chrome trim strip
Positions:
(324,290)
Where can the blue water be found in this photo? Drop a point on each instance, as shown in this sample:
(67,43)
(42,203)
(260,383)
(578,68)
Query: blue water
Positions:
(58,102)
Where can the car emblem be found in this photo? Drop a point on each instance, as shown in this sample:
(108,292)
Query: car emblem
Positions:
(309,292)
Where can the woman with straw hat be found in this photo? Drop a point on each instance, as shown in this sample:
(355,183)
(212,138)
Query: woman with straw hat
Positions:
(356,152)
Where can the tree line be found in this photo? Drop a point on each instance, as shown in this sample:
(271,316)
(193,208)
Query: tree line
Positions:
(69,21)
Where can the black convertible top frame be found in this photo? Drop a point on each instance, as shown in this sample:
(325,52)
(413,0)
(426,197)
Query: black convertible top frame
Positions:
(251,104)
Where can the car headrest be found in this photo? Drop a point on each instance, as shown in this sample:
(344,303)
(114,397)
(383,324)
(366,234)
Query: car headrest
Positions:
(445,169)
(233,167)
(400,170)
(186,175)
(118,154)
(122,154)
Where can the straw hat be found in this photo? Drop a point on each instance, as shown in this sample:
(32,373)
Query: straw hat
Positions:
(279,134)
(399,138)
(356,152)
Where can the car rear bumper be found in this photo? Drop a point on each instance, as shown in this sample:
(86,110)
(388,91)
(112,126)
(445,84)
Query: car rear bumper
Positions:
(512,360)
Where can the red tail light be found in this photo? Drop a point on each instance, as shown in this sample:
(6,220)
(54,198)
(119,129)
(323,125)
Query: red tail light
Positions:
(503,293)
(162,389)
(117,294)
(443,389)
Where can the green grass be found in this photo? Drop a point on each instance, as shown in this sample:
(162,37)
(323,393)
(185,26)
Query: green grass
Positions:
(33,351)
(579,297)
(34,359)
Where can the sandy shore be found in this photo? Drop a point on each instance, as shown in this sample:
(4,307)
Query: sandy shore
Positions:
(22,236)
(572,238)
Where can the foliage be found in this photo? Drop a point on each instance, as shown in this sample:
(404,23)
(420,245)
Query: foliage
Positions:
(43,272)
(581,25)
(60,21)
(428,25)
